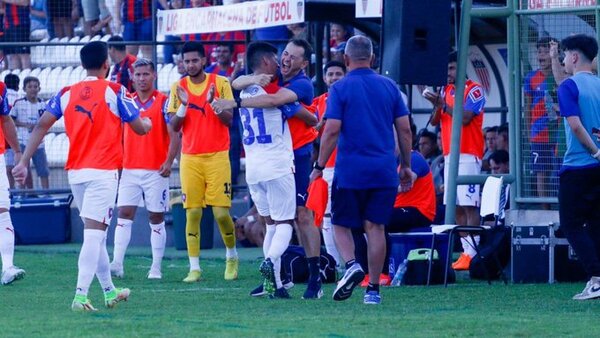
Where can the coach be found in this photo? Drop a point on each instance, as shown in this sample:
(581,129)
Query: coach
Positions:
(362,110)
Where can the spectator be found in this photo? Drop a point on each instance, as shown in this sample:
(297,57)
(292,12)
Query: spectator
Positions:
(428,147)
(122,71)
(95,13)
(26,112)
(224,64)
(490,134)
(579,187)
(39,19)
(366,185)
(62,14)
(337,52)
(12,88)
(298,31)
(17,27)
(339,34)
(238,47)
(170,50)
(471,150)
(502,137)
(499,162)
(541,115)
(136,18)
(179,64)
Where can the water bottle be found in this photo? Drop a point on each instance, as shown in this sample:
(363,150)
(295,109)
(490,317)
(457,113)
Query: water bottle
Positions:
(400,271)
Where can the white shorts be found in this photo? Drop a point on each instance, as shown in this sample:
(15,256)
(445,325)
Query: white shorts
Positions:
(4,186)
(328,177)
(466,195)
(136,184)
(96,199)
(275,198)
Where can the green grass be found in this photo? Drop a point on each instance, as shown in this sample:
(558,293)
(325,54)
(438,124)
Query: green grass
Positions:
(39,305)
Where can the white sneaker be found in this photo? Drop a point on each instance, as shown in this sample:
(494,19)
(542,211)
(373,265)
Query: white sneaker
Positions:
(591,290)
(12,274)
(116,270)
(154,274)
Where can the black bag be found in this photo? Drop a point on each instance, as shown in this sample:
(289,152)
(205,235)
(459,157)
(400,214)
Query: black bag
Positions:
(294,266)
(495,240)
(417,268)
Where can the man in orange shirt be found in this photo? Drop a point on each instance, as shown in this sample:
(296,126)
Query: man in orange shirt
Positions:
(147,165)
(471,150)
(332,72)
(94,111)
(205,168)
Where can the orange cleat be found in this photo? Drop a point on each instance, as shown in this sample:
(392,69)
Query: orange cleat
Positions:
(462,263)
(384,280)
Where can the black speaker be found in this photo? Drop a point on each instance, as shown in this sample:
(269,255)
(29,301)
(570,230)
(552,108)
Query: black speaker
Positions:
(416,41)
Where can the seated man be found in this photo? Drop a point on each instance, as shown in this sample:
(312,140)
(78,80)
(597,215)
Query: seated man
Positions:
(412,209)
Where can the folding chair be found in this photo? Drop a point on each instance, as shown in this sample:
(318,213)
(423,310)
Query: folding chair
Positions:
(493,201)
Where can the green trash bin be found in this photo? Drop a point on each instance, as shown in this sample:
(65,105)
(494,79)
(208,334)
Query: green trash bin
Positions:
(206,227)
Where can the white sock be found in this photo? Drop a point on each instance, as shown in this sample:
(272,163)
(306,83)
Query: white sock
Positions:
(158,240)
(231,253)
(277,271)
(280,242)
(7,240)
(122,238)
(268,239)
(103,269)
(88,259)
(469,246)
(194,263)
(329,240)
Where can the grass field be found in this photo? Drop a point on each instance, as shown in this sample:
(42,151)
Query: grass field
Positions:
(39,305)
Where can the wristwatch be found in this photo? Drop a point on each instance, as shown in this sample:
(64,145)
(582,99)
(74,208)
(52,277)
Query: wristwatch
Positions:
(318,167)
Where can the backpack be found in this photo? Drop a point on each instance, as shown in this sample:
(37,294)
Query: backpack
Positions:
(294,266)
(495,240)
(417,268)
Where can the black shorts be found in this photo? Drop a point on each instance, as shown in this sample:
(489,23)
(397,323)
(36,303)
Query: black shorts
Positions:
(351,207)
(405,219)
(17,34)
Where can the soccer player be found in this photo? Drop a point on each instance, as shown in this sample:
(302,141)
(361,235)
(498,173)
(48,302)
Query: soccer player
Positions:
(270,166)
(147,162)
(204,168)
(94,110)
(332,72)
(297,87)
(471,150)
(8,132)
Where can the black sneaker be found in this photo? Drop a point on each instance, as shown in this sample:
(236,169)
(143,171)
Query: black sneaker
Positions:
(313,290)
(353,276)
(281,293)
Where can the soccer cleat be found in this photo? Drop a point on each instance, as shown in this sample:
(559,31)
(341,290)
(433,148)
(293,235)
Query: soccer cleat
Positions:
(231,268)
(462,263)
(116,270)
(591,290)
(154,274)
(353,276)
(281,293)
(193,276)
(12,274)
(82,304)
(259,291)
(268,272)
(372,297)
(313,290)
(111,298)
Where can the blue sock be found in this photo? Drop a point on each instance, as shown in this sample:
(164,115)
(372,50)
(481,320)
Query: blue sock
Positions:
(373,287)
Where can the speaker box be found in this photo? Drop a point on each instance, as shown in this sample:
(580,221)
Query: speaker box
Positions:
(416,41)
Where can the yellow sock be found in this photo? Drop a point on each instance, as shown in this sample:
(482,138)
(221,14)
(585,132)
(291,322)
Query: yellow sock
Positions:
(192,231)
(225,226)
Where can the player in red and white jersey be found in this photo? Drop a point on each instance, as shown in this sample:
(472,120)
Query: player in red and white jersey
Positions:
(147,162)
(332,72)
(94,111)
(8,132)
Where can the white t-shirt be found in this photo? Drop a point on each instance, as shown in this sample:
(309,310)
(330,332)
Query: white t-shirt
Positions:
(25,111)
(267,139)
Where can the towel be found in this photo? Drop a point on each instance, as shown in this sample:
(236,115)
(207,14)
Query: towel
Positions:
(317,199)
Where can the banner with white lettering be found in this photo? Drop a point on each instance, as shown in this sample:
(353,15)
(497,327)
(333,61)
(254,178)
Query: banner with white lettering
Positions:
(236,17)
(369,8)
(547,4)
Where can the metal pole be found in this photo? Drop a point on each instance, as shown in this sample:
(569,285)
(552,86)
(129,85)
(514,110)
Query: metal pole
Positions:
(513,99)
(457,115)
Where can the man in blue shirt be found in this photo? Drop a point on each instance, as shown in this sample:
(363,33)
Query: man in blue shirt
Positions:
(579,187)
(362,111)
